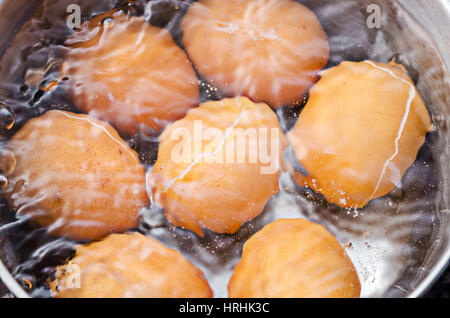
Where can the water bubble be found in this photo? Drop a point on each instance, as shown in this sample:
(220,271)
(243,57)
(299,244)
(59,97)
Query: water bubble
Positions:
(7,117)
(3,182)
(108,21)
(7,162)
(131,8)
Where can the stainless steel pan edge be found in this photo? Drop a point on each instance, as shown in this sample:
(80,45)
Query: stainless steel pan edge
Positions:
(434,16)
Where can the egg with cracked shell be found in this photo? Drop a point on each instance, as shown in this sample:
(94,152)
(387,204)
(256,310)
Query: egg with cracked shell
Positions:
(75,176)
(359,132)
(218,167)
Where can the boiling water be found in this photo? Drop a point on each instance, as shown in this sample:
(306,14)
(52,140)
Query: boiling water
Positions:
(388,240)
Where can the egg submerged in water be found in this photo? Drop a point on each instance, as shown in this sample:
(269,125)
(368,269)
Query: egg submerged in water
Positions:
(294,258)
(129,73)
(128,265)
(267,50)
(75,176)
(218,167)
(359,132)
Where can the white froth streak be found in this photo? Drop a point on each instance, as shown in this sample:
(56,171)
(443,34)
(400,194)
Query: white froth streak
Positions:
(197,159)
(412,95)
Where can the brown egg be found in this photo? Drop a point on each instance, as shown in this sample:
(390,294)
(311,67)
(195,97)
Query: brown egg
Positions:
(130,74)
(360,131)
(294,259)
(75,176)
(129,265)
(268,50)
(218,166)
